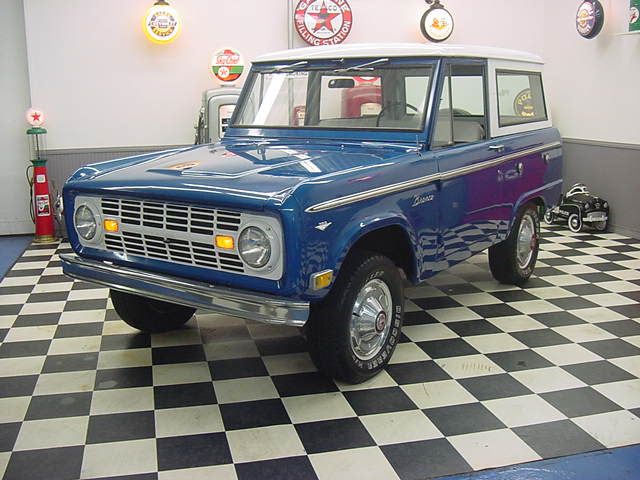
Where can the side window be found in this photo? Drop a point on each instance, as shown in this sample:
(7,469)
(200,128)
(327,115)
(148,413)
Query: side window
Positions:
(461,116)
(520,98)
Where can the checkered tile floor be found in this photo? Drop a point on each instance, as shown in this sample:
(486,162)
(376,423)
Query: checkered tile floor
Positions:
(486,375)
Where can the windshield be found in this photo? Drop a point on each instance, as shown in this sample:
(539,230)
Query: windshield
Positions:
(360,97)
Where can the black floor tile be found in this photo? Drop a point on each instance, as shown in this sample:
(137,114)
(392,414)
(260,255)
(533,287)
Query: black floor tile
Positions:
(259,413)
(460,419)
(237,368)
(613,348)
(118,427)
(557,319)
(291,468)
(451,347)
(433,303)
(333,435)
(48,297)
(59,405)
(473,327)
(496,310)
(125,341)
(518,360)
(379,400)
(557,439)
(593,373)
(46,279)
(629,311)
(586,289)
(184,395)
(621,328)
(79,330)
(303,384)
(45,464)
(24,349)
(91,304)
(459,289)
(490,387)
(598,277)
(416,372)
(193,451)
(578,402)
(124,378)
(418,318)
(556,262)
(573,303)
(425,459)
(540,338)
(70,362)
(178,354)
(8,435)
(3,334)
(281,345)
(514,296)
(18,386)
(37,319)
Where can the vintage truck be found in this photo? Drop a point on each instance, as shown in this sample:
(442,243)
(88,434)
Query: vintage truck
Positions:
(346,173)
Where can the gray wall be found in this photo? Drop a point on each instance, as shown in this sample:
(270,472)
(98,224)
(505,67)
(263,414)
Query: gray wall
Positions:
(611,170)
(14,101)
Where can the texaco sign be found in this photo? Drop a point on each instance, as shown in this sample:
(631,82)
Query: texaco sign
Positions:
(323,22)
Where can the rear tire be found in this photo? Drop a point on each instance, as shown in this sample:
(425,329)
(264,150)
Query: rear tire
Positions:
(149,315)
(353,332)
(512,261)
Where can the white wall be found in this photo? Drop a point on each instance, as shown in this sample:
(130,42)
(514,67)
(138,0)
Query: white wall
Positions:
(103,84)
(594,84)
(14,101)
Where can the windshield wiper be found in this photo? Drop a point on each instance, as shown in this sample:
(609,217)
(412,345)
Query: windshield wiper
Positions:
(364,67)
(286,68)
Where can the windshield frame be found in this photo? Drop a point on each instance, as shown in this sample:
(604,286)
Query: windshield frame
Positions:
(345,66)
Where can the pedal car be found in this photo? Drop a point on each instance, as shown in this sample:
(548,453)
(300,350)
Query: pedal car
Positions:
(578,207)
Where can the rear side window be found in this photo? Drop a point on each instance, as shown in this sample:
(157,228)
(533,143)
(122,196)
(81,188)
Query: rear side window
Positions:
(520,98)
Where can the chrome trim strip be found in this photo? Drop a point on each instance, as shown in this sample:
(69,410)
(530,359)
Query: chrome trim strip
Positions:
(227,301)
(418,182)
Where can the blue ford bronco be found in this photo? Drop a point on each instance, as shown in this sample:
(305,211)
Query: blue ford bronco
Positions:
(346,172)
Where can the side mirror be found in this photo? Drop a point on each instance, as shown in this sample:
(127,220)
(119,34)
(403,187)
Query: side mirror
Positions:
(342,83)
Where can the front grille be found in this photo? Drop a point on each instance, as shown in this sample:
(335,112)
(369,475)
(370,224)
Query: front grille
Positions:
(172,232)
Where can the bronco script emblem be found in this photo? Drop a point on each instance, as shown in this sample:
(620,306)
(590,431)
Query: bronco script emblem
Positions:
(323,22)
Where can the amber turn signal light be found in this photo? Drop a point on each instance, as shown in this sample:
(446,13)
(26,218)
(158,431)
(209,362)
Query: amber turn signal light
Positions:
(224,242)
(321,280)
(111,225)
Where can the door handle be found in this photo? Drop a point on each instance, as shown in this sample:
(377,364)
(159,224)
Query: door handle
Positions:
(520,167)
(497,148)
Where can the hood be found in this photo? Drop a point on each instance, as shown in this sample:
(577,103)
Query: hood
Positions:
(238,174)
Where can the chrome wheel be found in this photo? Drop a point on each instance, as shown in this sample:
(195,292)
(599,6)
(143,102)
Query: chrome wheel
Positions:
(575,223)
(527,241)
(371,319)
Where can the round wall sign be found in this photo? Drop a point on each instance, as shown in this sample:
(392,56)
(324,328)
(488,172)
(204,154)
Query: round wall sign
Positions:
(227,65)
(437,23)
(35,117)
(323,22)
(634,16)
(161,23)
(590,18)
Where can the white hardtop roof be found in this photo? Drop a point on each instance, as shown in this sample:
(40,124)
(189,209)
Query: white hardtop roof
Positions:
(366,50)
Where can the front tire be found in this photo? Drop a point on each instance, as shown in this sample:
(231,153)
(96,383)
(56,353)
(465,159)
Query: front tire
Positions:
(512,261)
(575,222)
(549,217)
(353,332)
(149,315)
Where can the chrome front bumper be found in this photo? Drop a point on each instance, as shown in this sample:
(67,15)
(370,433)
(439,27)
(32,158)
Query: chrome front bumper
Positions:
(223,300)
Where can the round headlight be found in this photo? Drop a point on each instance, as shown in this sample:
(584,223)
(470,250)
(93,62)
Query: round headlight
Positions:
(85,221)
(254,247)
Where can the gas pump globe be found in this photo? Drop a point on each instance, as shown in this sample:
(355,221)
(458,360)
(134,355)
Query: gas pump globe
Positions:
(39,183)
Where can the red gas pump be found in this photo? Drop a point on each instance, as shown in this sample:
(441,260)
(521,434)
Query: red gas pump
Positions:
(39,182)
(362,100)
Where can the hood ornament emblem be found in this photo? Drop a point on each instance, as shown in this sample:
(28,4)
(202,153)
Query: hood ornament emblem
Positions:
(322,226)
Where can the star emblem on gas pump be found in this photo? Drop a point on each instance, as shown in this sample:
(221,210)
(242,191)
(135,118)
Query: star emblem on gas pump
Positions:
(35,116)
(323,18)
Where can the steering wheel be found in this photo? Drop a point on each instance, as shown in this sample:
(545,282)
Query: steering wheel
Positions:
(394,105)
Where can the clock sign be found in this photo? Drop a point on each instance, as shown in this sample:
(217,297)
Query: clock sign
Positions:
(436,23)
(590,18)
